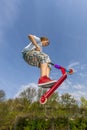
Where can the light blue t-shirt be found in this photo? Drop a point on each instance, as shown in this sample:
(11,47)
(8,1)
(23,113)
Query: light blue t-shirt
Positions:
(31,46)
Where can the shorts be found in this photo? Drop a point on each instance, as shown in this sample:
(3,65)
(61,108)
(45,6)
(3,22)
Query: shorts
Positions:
(35,58)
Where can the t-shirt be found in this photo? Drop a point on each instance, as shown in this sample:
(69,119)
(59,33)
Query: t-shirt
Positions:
(31,46)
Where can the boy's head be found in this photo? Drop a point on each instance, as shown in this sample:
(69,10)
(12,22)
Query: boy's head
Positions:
(45,41)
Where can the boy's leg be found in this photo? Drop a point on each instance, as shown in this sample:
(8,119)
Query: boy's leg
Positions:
(48,71)
(44,70)
(44,80)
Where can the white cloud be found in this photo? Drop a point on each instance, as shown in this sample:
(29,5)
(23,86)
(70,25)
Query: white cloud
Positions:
(66,85)
(79,69)
(73,64)
(84,66)
(78,94)
(79,86)
(83,75)
(77,91)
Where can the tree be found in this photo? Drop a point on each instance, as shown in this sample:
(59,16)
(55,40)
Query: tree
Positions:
(29,94)
(83,102)
(67,100)
(40,92)
(69,105)
(2,95)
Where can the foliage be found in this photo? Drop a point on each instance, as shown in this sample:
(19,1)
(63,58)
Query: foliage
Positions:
(83,102)
(26,113)
(29,94)
(2,95)
(79,123)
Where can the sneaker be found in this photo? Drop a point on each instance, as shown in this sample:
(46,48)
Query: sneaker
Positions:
(46,82)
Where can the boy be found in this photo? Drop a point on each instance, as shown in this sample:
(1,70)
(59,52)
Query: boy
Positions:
(34,56)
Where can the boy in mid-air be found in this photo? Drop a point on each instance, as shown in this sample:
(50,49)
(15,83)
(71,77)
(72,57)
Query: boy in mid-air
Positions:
(34,56)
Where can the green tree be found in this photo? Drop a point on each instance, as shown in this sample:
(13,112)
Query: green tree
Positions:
(2,95)
(69,105)
(67,100)
(29,93)
(83,102)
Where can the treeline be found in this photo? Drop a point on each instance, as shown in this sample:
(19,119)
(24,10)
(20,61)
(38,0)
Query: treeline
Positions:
(26,113)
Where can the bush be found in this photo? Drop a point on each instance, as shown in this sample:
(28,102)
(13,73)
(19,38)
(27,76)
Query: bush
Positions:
(78,124)
(37,123)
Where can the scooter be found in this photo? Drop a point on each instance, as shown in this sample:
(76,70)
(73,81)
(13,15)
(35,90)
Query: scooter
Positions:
(64,72)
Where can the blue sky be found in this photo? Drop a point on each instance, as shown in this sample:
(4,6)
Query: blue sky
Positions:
(64,22)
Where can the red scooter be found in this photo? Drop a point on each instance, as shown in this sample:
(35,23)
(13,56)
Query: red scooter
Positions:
(64,72)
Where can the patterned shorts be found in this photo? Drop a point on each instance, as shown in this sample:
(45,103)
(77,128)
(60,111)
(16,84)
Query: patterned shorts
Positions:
(35,58)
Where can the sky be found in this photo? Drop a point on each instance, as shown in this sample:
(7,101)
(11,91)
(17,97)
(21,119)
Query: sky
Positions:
(64,22)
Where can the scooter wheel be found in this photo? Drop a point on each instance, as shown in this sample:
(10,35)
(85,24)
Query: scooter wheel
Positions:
(43,100)
(71,71)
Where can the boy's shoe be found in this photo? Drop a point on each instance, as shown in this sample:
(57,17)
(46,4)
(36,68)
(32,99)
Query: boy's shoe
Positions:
(46,82)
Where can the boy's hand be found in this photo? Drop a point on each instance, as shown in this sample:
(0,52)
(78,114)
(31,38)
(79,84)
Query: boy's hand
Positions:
(38,48)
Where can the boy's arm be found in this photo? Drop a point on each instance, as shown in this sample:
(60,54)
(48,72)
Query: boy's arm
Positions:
(32,39)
